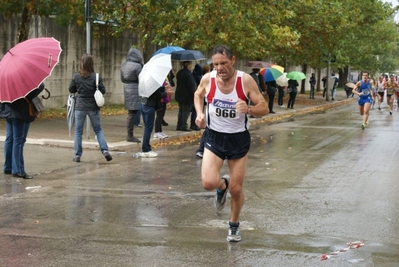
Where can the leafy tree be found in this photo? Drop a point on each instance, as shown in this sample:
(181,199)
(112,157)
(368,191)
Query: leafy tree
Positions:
(65,11)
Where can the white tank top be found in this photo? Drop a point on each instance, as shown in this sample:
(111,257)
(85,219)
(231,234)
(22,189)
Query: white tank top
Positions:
(221,112)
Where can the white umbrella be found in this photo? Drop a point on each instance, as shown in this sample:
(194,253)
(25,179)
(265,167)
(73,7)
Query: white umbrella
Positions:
(153,74)
(282,80)
(71,112)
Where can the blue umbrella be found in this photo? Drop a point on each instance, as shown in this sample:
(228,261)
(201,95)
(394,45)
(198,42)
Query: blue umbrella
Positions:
(187,55)
(168,50)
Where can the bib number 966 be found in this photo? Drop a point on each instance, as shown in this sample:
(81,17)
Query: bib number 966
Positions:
(226,113)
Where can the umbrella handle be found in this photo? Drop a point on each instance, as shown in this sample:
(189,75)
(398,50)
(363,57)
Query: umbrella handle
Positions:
(48,94)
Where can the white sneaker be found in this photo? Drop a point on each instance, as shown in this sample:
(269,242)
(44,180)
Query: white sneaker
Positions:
(157,135)
(282,106)
(149,154)
(164,135)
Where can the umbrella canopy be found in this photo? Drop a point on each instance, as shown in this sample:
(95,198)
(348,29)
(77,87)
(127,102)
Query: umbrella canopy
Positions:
(187,55)
(153,74)
(282,80)
(168,50)
(25,66)
(296,75)
(207,62)
(350,85)
(278,67)
(70,112)
(258,64)
(271,74)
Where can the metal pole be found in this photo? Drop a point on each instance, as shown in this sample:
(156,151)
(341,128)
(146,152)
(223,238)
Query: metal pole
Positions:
(88,39)
(328,77)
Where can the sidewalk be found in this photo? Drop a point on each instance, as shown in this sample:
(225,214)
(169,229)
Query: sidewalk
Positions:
(54,132)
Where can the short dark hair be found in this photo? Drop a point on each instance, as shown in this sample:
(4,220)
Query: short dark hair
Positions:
(224,50)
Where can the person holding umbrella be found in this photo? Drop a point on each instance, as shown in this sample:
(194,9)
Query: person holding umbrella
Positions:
(184,96)
(227,92)
(149,106)
(84,84)
(293,91)
(18,115)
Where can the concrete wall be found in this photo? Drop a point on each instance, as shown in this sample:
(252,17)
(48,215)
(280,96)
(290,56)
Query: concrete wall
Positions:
(109,53)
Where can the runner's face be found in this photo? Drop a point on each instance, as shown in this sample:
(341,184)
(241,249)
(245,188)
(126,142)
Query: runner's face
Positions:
(365,77)
(223,65)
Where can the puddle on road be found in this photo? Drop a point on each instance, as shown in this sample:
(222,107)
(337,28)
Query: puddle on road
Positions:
(12,186)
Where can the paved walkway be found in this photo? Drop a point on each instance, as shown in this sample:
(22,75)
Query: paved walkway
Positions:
(54,132)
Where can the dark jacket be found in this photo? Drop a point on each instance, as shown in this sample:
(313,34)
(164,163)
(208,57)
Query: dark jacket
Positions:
(197,73)
(292,86)
(154,100)
(19,109)
(130,71)
(85,89)
(185,87)
(312,80)
(271,87)
(259,81)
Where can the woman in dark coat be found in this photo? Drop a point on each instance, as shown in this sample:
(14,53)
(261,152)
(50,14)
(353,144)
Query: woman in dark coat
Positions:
(84,84)
(130,71)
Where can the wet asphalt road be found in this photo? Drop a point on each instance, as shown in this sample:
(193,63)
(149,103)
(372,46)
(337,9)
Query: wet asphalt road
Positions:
(313,184)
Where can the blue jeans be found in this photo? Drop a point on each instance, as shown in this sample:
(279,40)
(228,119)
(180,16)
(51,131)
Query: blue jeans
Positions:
(94,116)
(17,130)
(148,114)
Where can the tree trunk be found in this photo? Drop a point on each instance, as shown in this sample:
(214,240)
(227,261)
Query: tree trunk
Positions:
(23,32)
(303,83)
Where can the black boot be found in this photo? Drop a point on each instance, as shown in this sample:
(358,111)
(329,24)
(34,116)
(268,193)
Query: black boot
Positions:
(130,127)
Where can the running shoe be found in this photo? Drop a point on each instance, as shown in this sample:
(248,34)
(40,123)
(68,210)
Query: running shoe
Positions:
(379,108)
(149,154)
(367,123)
(234,234)
(363,127)
(221,195)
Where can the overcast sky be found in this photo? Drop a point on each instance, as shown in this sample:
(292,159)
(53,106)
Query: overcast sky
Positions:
(394,3)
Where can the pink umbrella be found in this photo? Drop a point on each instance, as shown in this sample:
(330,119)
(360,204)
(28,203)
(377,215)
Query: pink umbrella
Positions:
(25,66)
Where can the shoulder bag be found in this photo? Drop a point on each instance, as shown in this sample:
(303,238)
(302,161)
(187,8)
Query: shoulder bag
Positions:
(98,96)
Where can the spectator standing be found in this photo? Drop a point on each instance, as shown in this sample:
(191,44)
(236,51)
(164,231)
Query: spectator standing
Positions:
(184,96)
(84,84)
(18,119)
(280,101)
(197,73)
(324,80)
(334,89)
(130,71)
(161,112)
(171,82)
(271,89)
(148,107)
(200,151)
(312,82)
(293,90)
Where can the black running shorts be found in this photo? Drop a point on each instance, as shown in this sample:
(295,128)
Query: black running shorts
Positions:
(227,146)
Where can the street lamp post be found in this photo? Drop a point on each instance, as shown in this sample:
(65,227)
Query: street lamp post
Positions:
(88,16)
